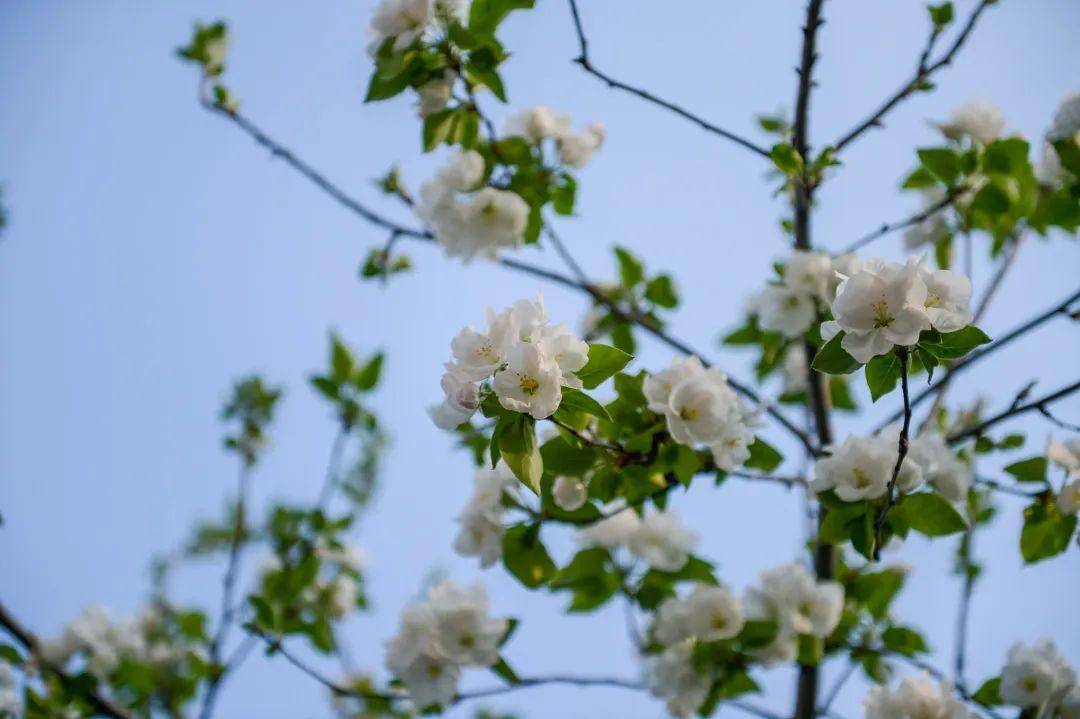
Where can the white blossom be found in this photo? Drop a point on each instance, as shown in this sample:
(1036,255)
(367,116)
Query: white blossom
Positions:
(672,676)
(979,120)
(701,408)
(612,532)
(341,596)
(448,629)
(435,94)
(799,604)
(915,698)
(861,468)
(404,20)
(1065,454)
(462,400)
(569,493)
(577,149)
(793,367)
(569,352)
(809,272)
(1066,122)
(1035,675)
(785,310)
(948,296)
(1049,170)
(709,614)
(481,531)
(536,124)
(938,465)
(1068,499)
(881,305)
(530,383)
(663,541)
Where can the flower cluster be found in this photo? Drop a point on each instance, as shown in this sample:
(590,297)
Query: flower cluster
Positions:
(979,120)
(882,304)
(658,538)
(1038,676)
(915,698)
(527,360)
(671,675)
(861,467)
(798,603)
(541,123)
(709,614)
(10,702)
(790,305)
(438,635)
(481,533)
(701,409)
(468,220)
(102,642)
(569,493)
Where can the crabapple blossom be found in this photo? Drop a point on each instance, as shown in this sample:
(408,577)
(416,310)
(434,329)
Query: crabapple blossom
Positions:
(792,597)
(663,541)
(448,629)
(948,296)
(915,698)
(403,20)
(481,531)
(937,464)
(709,614)
(796,378)
(1065,454)
(1035,675)
(785,310)
(536,124)
(809,272)
(435,94)
(881,305)
(569,493)
(861,469)
(462,400)
(1068,499)
(979,120)
(613,532)
(1066,124)
(577,149)
(672,676)
(701,408)
(530,383)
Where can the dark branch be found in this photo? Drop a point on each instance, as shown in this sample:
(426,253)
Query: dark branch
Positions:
(915,219)
(1060,309)
(901,453)
(1039,405)
(923,73)
(30,643)
(587,65)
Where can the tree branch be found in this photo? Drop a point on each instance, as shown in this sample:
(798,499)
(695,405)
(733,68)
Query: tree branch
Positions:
(30,643)
(888,227)
(923,72)
(587,65)
(278,150)
(1039,405)
(1062,308)
(902,450)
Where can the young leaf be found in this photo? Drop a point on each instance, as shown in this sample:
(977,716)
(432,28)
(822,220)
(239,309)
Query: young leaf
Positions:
(942,162)
(526,557)
(577,401)
(604,361)
(953,345)
(882,374)
(833,359)
(930,514)
(1029,470)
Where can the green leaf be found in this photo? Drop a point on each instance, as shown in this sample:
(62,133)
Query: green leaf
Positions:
(517,447)
(763,456)
(526,557)
(383,88)
(882,374)
(604,361)
(1046,531)
(941,15)
(942,162)
(577,401)
(1029,470)
(840,394)
(786,159)
(660,290)
(1068,151)
(485,15)
(564,194)
(834,359)
(953,345)
(989,694)
(930,514)
(631,271)
(919,179)
(561,458)
(991,199)
(904,640)
(504,672)
(368,376)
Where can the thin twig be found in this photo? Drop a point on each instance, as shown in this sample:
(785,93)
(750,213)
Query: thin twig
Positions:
(330,483)
(923,72)
(849,670)
(901,453)
(1036,405)
(100,704)
(586,64)
(1062,308)
(888,227)
(996,486)
(228,589)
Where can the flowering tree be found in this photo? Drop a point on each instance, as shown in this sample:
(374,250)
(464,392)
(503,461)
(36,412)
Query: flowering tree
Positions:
(565,430)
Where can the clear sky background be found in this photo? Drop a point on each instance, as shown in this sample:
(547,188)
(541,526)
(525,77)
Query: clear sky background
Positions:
(154,254)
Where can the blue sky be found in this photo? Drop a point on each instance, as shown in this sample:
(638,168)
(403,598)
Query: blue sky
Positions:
(154,254)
